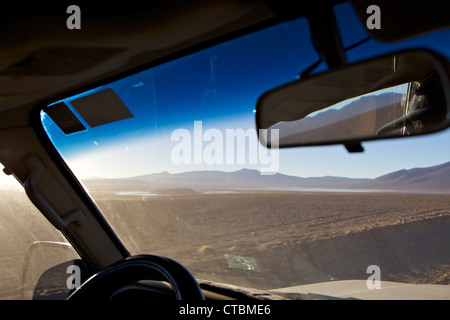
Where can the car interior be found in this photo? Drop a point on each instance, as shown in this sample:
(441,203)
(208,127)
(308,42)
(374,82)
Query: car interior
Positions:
(43,62)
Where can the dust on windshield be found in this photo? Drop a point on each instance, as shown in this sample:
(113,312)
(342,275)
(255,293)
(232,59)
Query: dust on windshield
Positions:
(170,155)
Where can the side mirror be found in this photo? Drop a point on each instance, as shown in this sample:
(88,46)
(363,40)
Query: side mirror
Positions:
(45,270)
(401,94)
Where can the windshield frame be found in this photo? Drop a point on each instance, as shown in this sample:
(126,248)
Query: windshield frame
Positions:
(61,163)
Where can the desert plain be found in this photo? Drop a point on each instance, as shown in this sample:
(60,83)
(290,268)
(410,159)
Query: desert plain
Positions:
(263,239)
(270,240)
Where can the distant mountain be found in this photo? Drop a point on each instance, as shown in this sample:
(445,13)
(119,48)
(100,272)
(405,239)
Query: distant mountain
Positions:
(436,178)
(245,178)
(371,112)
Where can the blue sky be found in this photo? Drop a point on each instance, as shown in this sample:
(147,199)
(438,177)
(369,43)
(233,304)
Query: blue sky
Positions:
(220,87)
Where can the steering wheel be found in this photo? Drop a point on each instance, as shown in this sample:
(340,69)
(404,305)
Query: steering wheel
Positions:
(105,283)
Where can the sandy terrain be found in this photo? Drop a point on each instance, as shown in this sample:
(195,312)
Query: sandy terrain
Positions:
(265,241)
(283,239)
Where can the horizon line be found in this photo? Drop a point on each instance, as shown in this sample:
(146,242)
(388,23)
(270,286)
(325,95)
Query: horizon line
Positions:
(256,170)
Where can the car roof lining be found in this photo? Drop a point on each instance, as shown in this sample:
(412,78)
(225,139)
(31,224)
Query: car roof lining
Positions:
(35,62)
(403,19)
(41,59)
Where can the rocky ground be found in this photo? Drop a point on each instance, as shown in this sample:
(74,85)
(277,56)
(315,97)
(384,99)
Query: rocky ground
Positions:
(271,240)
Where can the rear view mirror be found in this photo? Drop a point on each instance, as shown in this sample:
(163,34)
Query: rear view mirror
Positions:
(401,94)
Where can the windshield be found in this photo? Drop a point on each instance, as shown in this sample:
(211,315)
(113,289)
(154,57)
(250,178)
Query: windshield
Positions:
(170,156)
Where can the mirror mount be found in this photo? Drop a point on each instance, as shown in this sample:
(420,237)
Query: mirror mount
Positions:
(326,38)
(354,147)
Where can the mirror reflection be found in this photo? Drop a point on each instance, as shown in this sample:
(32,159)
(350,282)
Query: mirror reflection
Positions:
(397,95)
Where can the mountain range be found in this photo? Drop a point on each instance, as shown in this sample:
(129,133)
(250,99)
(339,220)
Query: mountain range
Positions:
(435,178)
(429,179)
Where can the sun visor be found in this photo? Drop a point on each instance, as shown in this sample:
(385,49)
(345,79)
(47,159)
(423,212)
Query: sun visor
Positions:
(101,107)
(93,110)
(64,118)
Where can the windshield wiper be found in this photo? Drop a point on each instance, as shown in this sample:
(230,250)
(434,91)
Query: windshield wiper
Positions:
(308,296)
(239,293)
(242,293)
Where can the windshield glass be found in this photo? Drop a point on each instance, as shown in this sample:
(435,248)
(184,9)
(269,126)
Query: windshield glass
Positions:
(170,156)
